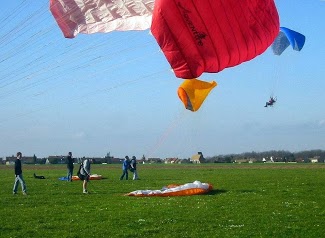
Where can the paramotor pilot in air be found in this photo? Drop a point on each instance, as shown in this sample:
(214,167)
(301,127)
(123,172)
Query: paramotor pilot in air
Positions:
(270,102)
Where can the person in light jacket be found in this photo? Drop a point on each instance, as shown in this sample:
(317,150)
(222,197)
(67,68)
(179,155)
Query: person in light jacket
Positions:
(85,172)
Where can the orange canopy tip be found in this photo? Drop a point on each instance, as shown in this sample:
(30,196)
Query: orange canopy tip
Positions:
(193,92)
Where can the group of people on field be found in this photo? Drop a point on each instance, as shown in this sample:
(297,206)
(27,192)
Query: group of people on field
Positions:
(83,172)
(129,165)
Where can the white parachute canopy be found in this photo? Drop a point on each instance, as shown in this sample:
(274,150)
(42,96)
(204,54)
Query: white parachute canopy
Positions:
(91,16)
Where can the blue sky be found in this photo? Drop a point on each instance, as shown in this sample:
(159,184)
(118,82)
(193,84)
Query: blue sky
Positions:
(116,93)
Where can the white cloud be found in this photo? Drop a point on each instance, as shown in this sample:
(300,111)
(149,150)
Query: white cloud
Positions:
(80,135)
(321,122)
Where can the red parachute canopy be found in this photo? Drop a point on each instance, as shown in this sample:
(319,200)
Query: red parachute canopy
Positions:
(209,35)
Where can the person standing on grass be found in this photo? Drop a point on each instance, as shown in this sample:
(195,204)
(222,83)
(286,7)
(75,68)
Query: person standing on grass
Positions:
(133,165)
(19,175)
(70,161)
(85,172)
(125,168)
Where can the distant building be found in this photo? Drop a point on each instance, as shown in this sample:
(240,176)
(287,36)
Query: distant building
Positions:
(56,159)
(24,159)
(198,158)
(153,160)
(315,159)
(240,161)
(112,160)
(300,160)
(170,160)
(183,161)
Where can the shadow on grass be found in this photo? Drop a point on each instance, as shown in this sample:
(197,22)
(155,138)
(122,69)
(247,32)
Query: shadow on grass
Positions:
(216,192)
(220,191)
(247,191)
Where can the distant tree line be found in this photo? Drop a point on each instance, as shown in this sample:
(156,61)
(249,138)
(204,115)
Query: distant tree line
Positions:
(277,156)
(266,156)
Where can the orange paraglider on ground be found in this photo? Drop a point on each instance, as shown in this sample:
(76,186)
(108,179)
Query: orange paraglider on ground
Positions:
(187,189)
(92,177)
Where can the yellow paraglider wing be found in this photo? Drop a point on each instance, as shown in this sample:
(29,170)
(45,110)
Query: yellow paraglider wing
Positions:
(192,92)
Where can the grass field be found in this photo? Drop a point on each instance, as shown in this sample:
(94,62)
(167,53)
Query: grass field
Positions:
(248,200)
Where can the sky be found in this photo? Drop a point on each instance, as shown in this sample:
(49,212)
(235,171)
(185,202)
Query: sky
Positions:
(115,92)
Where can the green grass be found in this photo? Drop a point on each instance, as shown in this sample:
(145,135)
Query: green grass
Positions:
(248,200)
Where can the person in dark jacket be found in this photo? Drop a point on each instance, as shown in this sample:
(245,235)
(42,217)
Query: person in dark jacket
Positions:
(19,175)
(133,164)
(70,161)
